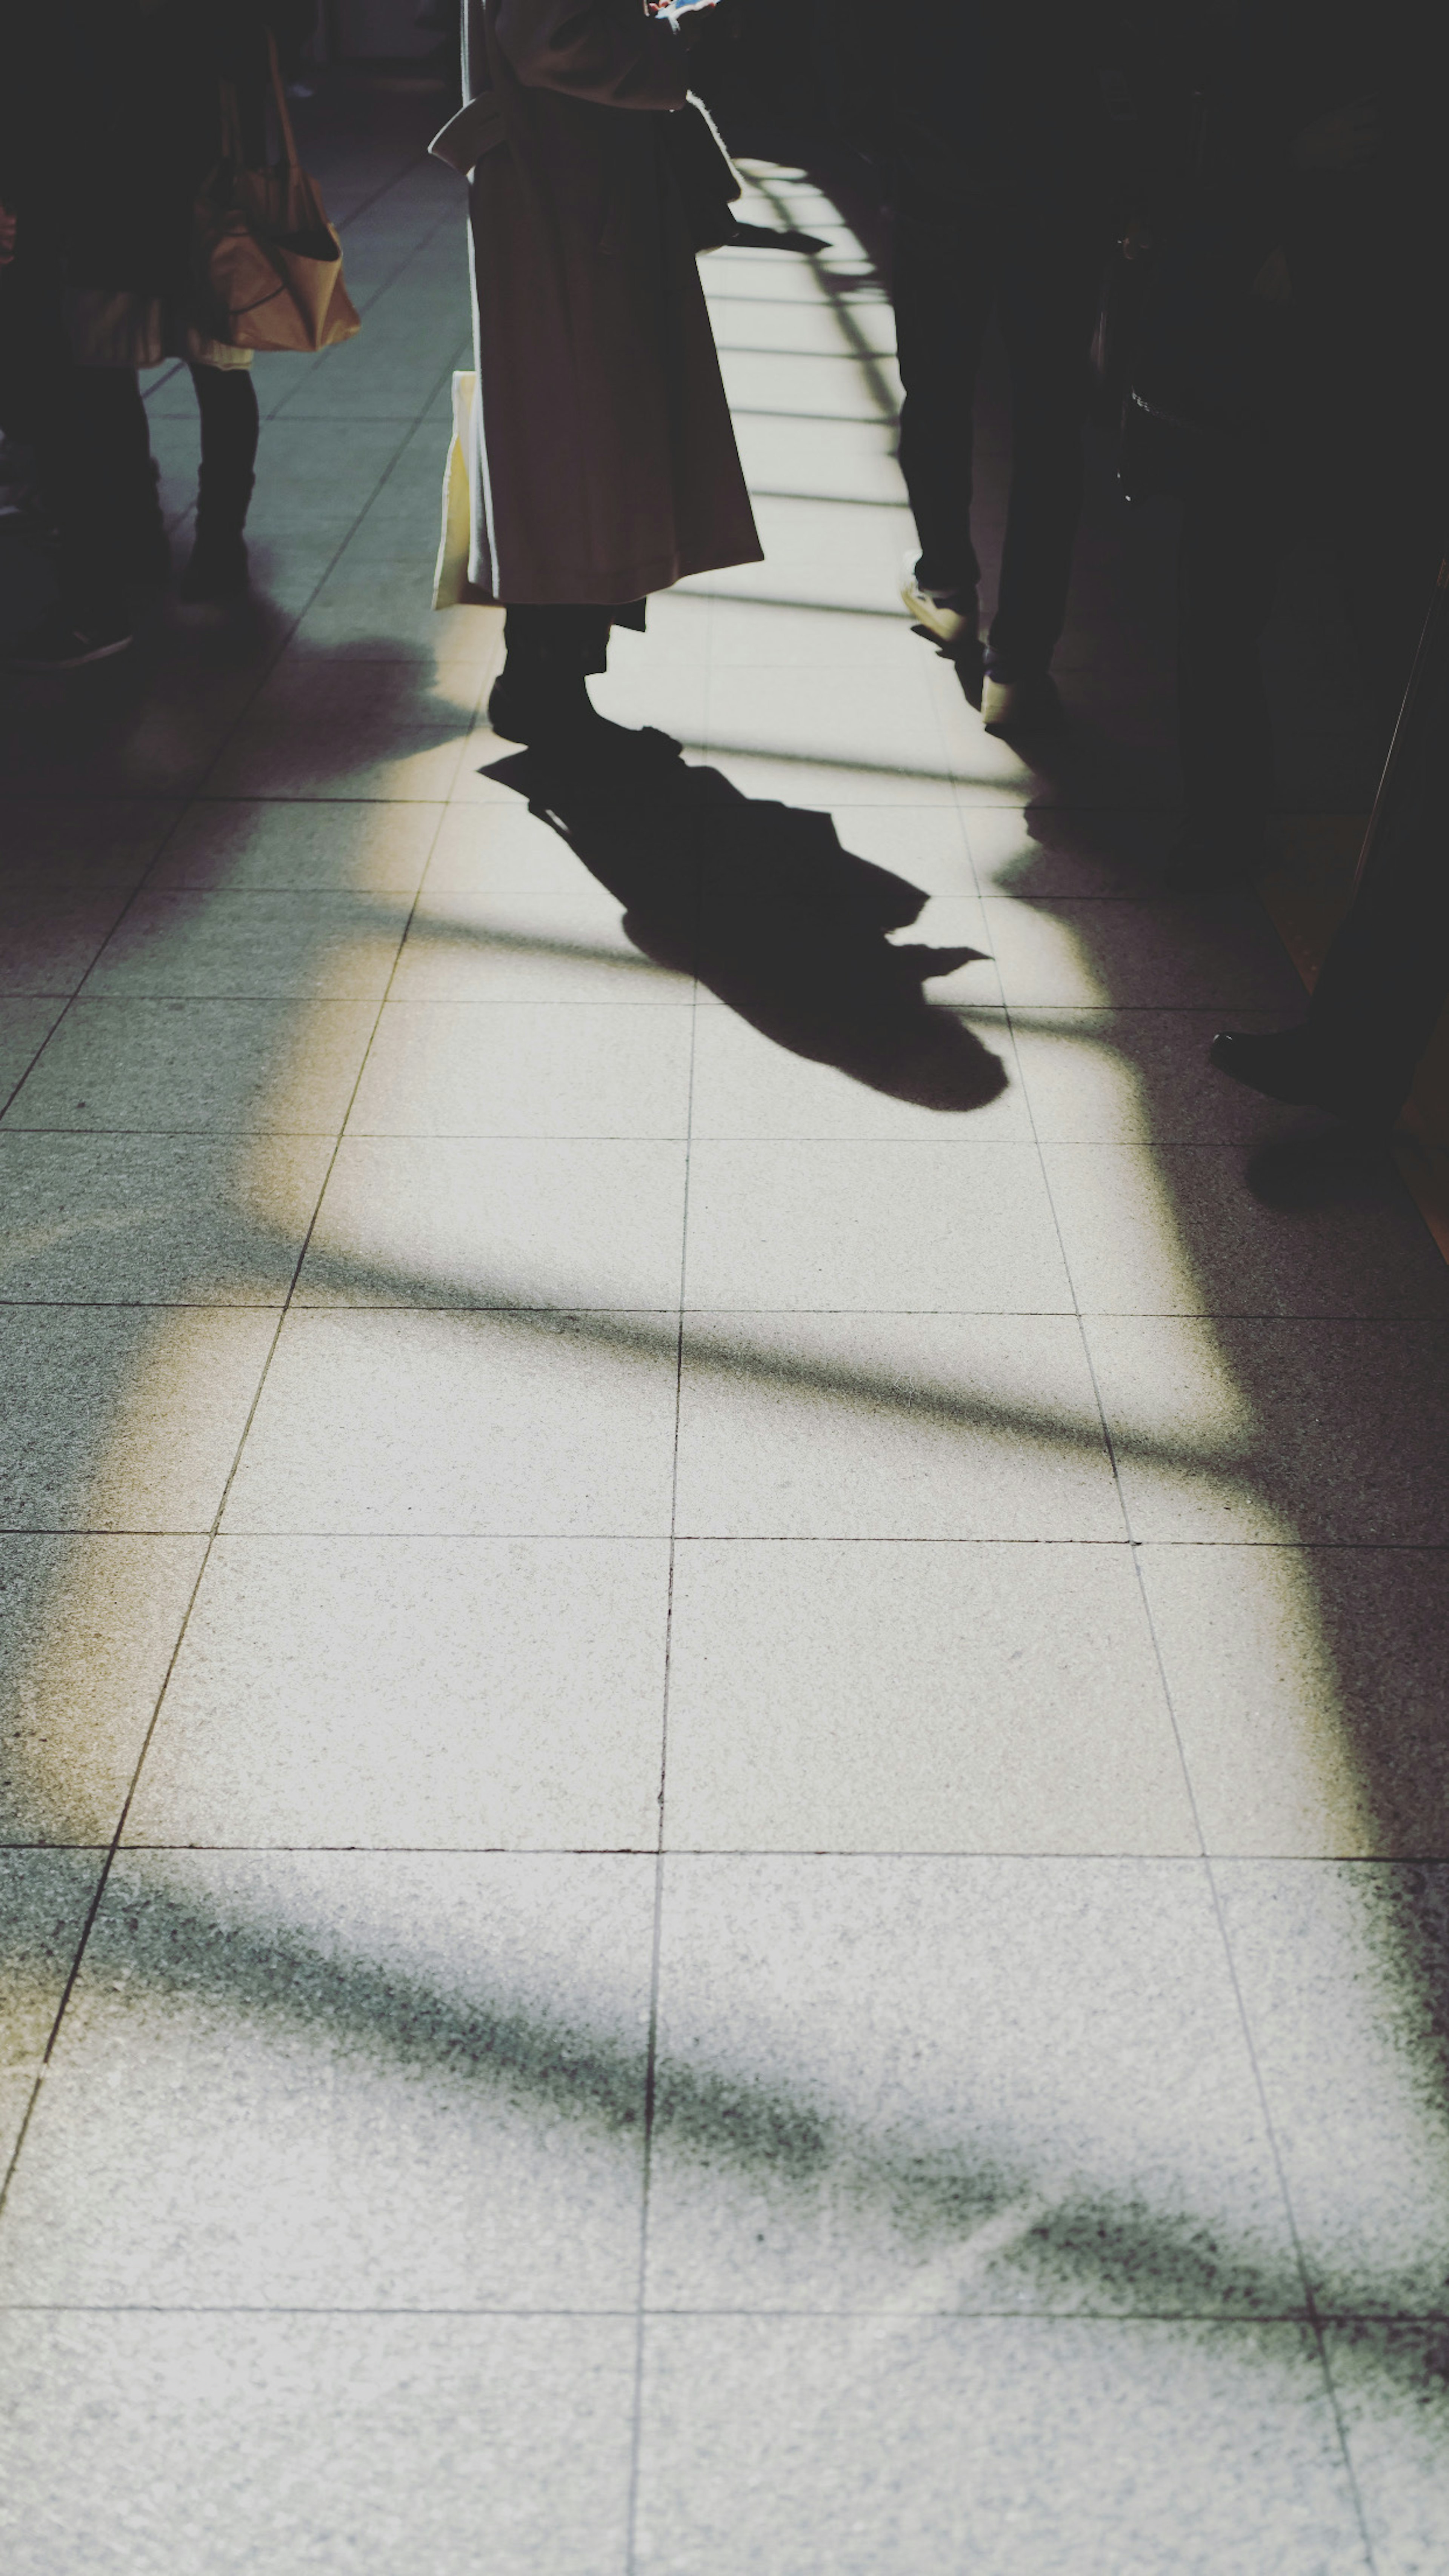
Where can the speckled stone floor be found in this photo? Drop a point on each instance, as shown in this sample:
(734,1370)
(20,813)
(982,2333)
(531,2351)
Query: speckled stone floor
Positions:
(724,1787)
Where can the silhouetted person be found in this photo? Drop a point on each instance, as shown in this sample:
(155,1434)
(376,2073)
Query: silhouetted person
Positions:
(1001,166)
(603,463)
(1385,979)
(125,108)
(1321,212)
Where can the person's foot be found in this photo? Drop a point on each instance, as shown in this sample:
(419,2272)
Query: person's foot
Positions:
(554,714)
(950,615)
(1029,705)
(64,643)
(1293,1066)
(217,570)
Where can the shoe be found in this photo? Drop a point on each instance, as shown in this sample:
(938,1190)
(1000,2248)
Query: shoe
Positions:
(1025,706)
(217,570)
(60,643)
(950,615)
(1291,1065)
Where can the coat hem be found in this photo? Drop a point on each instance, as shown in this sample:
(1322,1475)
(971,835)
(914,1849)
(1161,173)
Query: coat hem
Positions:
(608,590)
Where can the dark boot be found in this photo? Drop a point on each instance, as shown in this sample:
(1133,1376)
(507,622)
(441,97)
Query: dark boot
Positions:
(230,425)
(541,695)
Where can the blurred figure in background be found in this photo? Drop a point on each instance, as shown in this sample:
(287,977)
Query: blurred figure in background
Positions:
(603,462)
(122,107)
(1385,979)
(1003,166)
(1321,202)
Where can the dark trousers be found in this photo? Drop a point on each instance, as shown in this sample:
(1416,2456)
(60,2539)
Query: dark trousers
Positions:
(1038,270)
(1239,521)
(568,643)
(1385,979)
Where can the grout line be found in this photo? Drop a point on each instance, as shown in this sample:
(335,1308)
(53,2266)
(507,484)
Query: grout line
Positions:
(652,2059)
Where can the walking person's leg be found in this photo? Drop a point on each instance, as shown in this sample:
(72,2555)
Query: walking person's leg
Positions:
(1234,530)
(230,426)
(1385,979)
(942,290)
(1050,277)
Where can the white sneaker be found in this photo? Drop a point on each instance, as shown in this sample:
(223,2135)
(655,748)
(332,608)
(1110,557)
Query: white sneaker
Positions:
(1021,706)
(949,615)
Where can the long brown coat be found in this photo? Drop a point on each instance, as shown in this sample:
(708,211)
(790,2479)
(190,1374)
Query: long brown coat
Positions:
(604,463)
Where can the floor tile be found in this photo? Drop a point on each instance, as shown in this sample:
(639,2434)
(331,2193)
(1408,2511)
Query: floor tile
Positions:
(241,2443)
(1171,1230)
(1391,2384)
(502,848)
(513,1221)
(346,2080)
(1029,2445)
(123,1418)
(440,1692)
(1307,1685)
(346,728)
(919,1697)
(872,742)
(1344,1970)
(251,848)
(1035,853)
(143,1219)
(24,1027)
(487,944)
(891,1426)
(223,1064)
(1092,955)
(1132,1077)
(546,1424)
(911,1227)
(51,931)
(526,1069)
(956,2085)
(1254,1429)
(45,1897)
(90,1627)
(253,947)
(746,1086)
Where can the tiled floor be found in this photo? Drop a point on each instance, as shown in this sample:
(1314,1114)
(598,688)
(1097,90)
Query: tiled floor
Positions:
(723,1782)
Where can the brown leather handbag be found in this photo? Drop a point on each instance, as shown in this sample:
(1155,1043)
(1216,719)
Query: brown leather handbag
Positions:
(268,263)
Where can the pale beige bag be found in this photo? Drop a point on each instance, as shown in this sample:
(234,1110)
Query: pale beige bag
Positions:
(269,264)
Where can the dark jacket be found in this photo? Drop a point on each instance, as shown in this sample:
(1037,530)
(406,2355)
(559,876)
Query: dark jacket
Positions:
(959,99)
(114,119)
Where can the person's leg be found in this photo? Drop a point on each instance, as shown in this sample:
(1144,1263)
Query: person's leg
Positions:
(112,535)
(1049,294)
(1232,538)
(1385,979)
(541,695)
(942,293)
(230,427)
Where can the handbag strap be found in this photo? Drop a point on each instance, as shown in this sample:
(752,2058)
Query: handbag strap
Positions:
(233,146)
(279,94)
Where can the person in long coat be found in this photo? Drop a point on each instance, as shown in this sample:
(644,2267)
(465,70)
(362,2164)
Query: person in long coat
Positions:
(603,459)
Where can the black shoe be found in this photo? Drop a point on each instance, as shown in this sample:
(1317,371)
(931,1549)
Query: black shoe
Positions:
(553,714)
(1290,1065)
(217,570)
(63,643)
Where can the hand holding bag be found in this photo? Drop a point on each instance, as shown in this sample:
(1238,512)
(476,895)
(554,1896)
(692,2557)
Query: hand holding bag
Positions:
(269,264)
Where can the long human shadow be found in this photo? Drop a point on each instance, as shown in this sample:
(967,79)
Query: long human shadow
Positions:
(761,903)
